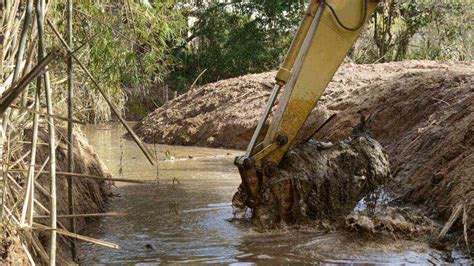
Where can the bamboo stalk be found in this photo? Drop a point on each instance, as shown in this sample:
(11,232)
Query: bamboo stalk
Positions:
(8,26)
(197,79)
(23,38)
(77,236)
(82,215)
(2,174)
(30,258)
(29,142)
(37,184)
(465,228)
(30,195)
(11,165)
(454,216)
(40,7)
(2,40)
(47,115)
(19,188)
(126,180)
(39,248)
(10,214)
(12,93)
(112,106)
(31,51)
(70,154)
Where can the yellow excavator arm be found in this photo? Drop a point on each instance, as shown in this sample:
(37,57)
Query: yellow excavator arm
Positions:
(327,32)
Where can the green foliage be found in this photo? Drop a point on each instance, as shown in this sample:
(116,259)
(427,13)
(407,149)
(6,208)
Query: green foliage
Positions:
(128,48)
(417,29)
(232,39)
(448,36)
(240,37)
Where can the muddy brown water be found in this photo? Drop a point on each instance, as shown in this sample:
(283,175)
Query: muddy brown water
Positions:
(184,217)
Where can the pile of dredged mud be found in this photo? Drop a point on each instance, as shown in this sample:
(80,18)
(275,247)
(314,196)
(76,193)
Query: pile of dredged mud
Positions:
(423,118)
(90,195)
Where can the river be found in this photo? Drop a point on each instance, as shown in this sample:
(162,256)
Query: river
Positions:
(185,216)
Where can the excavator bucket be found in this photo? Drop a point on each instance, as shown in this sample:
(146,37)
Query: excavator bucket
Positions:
(327,32)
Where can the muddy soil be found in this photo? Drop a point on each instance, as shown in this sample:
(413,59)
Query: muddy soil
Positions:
(327,181)
(221,114)
(423,117)
(90,195)
(425,121)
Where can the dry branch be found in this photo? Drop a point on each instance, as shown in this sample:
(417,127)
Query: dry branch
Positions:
(126,180)
(82,215)
(11,94)
(77,236)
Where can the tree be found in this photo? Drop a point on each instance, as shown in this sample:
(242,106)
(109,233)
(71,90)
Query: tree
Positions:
(419,29)
(128,46)
(236,38)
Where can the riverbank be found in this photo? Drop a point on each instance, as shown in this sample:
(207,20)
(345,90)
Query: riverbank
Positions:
(90,196)
(423,117)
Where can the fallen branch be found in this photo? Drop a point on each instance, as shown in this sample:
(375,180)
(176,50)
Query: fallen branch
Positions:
(466,228)
(454,216)
(321,127)
(82,215)
(77,236)
(47,115)
(91,177)
(196,80)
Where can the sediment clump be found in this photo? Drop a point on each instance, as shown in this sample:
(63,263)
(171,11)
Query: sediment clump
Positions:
(425,122)
(405,222)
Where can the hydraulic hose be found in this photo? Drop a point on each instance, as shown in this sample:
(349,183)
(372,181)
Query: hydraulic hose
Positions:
(361,23)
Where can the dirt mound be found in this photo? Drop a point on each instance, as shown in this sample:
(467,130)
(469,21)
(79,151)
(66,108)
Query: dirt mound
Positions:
(221,114)
(424,119)
(224,114)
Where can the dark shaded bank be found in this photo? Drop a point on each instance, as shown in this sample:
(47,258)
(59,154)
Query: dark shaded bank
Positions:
(90,194)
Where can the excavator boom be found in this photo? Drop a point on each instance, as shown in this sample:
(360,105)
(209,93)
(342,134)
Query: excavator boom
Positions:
(327,32)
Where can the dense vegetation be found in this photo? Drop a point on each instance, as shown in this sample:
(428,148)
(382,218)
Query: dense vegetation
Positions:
(139,48)
(418,29)
(231,39)
(127,45)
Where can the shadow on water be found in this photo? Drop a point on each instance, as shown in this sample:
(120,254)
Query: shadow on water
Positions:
(188,222)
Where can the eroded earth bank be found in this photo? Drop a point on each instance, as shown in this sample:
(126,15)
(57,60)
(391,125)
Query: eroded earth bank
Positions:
(90,197)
